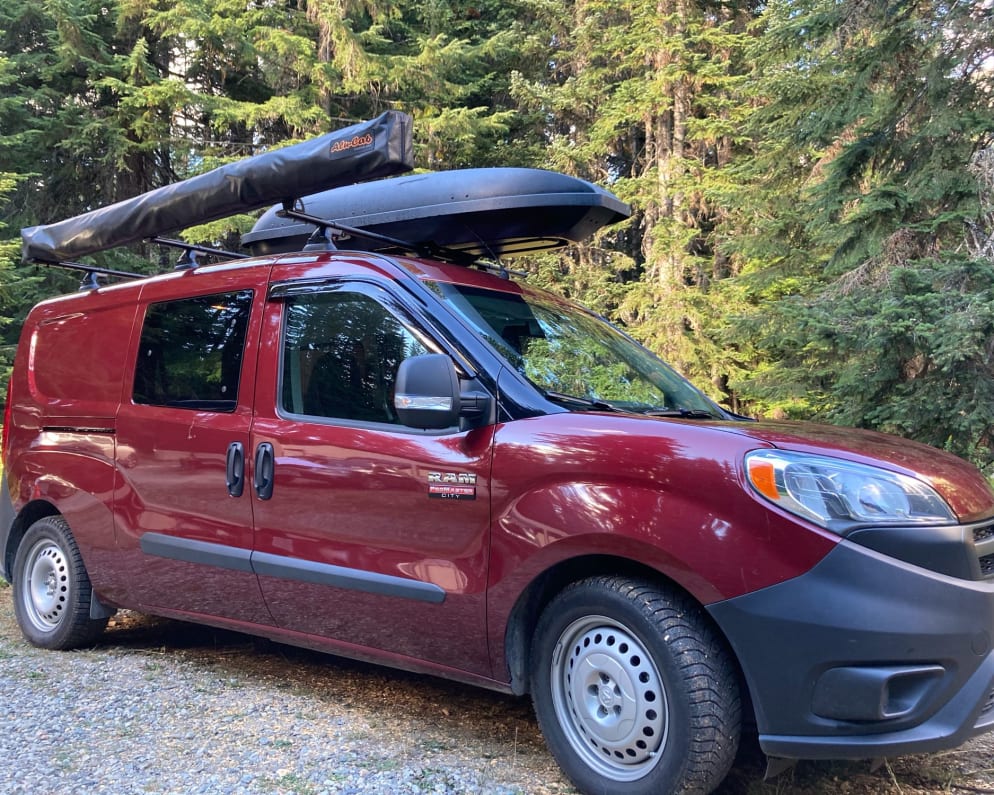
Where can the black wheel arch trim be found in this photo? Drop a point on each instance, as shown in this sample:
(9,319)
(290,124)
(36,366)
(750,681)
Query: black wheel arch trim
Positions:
(7,518)
(265,564)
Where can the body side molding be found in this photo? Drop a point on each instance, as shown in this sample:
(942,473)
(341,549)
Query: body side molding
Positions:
(190,550)
(287,568)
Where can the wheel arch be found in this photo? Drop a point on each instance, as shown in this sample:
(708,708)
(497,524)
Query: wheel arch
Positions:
(28,515)
(524,616)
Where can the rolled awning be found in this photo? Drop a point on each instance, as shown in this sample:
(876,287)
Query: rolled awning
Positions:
(377,148)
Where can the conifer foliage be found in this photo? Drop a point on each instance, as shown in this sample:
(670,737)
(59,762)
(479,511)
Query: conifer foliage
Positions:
(812,181)
(868,268)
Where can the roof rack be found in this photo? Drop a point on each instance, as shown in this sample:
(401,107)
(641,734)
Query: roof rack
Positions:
(92,274)
(467,216)
(321,226)
(191,252)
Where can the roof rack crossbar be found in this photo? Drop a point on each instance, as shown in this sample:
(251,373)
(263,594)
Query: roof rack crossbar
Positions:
(323,223)
(428,250)
(82,266)
(198,249)
(498,268)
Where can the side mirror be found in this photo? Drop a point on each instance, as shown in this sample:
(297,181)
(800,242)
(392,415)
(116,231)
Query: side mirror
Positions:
(427,392)
(428,395)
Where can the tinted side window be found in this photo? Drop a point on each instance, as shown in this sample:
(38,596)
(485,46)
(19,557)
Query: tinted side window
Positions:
(190,354)
(341,352)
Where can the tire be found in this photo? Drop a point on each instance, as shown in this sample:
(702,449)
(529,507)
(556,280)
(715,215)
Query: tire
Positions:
(634,690)
(52,589)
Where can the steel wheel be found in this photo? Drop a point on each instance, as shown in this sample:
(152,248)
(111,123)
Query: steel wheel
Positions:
(52,590)
(635,691)
(45,588)
(609,698)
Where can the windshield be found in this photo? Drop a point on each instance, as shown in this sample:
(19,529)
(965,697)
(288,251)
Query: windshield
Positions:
(573,356)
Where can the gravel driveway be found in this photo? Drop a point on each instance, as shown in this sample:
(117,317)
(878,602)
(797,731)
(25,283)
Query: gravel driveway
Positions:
(165,707)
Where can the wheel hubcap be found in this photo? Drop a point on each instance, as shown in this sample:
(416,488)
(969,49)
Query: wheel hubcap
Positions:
(45,588)
(609,698)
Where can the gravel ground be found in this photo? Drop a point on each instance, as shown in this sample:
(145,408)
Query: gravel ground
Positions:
(165,707)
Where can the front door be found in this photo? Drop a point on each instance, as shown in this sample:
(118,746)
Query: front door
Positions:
(367,532)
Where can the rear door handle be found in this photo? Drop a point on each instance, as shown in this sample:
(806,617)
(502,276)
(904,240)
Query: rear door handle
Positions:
(262,479)
(235,469)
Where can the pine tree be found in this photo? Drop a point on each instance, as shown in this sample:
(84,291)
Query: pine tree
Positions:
(643,96)
(870,306)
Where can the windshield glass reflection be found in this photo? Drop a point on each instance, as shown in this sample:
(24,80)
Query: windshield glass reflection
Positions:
(573,356)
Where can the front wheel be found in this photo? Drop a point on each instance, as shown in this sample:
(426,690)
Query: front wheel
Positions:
(633,689)
(52,589)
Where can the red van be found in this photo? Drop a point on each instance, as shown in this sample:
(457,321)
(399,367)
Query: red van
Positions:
(397,454)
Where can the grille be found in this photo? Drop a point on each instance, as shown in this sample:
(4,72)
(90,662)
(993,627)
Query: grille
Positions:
(983,542)
(987,566)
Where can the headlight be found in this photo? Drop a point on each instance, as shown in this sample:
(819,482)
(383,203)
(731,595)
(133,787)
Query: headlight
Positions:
(830,492)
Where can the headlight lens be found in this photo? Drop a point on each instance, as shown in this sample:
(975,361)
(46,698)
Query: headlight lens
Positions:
(832,493)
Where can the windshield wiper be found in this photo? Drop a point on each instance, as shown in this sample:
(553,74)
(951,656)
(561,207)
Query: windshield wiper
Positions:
(603,405)
(600,405)
(681,413)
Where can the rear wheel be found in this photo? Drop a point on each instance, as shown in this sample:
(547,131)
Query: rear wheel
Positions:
(634,690)
(52,589)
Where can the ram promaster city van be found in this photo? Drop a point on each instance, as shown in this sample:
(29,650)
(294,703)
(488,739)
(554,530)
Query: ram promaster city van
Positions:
(361,437)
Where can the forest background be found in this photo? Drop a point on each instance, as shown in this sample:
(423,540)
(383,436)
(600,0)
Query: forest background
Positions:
(812,180)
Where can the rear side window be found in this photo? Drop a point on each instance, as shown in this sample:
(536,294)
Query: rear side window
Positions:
(190,355)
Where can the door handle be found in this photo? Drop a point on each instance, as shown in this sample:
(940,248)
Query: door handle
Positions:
(262,479)
(234,470)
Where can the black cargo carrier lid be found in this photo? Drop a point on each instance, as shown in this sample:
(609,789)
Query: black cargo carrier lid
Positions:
(479,212)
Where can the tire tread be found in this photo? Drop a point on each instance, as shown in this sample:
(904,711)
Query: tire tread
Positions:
(701,660)
(77,628)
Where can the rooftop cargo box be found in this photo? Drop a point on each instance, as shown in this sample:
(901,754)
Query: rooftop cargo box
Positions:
(479,212)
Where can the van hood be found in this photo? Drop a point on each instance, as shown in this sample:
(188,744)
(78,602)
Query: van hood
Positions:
(968,493)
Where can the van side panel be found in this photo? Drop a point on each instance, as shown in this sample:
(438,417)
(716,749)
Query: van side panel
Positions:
(74,472)
(76,353)
(666,495)
(65,393)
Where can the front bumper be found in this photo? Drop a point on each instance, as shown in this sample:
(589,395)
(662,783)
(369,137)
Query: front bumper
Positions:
(865,656)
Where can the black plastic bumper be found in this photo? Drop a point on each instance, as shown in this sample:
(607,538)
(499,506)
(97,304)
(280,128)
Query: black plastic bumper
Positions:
(865,656)
(7,516)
